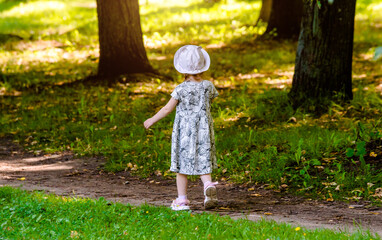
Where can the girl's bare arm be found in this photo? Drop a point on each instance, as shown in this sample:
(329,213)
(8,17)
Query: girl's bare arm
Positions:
(166,110)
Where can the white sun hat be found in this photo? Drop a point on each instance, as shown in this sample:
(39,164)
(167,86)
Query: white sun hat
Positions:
(191,59)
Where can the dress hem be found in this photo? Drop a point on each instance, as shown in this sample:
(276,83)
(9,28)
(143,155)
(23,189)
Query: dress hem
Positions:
(191,174)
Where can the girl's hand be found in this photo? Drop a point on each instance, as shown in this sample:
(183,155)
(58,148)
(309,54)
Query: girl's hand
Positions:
(166,110)
(148,123)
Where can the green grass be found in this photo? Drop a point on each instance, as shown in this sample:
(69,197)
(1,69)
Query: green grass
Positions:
(260,138)
(254,133)
(36,215)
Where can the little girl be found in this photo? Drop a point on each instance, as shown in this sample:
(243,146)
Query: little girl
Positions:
(193,141)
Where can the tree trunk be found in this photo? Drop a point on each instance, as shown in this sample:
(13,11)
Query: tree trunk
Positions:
(324,54)
(265,12)
(120,38)
(285,19)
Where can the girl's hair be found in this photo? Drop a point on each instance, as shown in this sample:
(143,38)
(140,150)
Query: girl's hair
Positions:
(186,76)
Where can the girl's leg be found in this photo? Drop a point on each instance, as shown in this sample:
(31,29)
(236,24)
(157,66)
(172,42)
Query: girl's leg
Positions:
(181,183)
(206,179)
(181,203)
(210,200)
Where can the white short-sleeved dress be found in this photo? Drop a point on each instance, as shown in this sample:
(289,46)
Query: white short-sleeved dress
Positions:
(193,142)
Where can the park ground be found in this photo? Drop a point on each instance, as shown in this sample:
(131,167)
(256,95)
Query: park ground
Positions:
(67,175)
(76,138)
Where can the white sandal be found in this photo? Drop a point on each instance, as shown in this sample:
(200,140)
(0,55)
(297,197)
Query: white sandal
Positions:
(210,194)
(180,205)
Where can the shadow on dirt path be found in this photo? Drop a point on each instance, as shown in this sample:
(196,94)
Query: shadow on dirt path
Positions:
(65,174)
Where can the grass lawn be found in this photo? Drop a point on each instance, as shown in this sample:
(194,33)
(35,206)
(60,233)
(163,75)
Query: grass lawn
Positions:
(36,215)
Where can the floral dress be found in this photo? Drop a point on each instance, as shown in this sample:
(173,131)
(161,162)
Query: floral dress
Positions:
(193,142)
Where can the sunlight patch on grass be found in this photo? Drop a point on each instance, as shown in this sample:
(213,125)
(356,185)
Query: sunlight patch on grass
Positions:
(279,83)
(156,41)
(36,45)
(23,69)
(44,18)
(84,4)
(17,62)
(375,7)
(155,4)
(31,8)
(199,22)
(368,22)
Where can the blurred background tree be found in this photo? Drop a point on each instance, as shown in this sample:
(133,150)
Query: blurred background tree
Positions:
(265,11)
(120,38)
(323,69)
(283,18)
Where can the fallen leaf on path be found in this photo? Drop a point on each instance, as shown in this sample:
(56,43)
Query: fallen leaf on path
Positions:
(224,208)
(21,179)
(329,159)
(378,192)
(330,198)
(268,213)
(251,189)
(256,195)
(373,154)
(356,206)
(292,119)
(74,173)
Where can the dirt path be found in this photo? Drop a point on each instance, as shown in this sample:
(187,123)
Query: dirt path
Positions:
(64,174)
